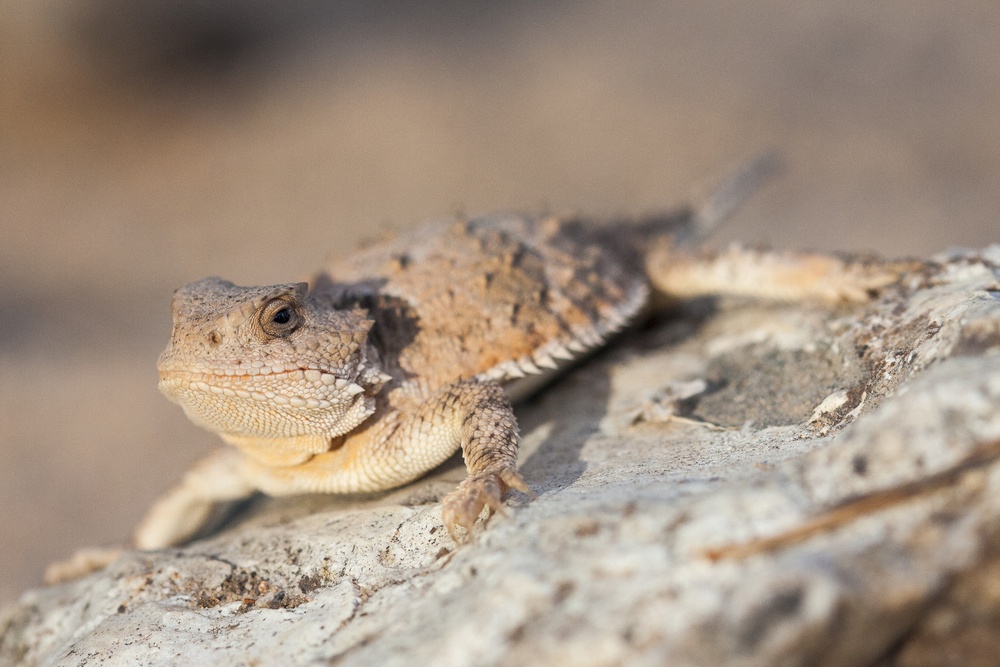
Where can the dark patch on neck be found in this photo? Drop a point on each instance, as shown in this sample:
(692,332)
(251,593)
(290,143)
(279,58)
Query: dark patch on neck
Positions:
(396,322)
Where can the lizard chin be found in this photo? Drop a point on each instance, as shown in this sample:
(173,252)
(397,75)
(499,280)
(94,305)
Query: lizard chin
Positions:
(280,407)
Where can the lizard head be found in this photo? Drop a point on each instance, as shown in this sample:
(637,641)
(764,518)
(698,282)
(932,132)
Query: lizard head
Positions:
(268,362)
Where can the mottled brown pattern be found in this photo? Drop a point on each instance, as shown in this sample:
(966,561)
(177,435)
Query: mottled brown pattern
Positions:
(398,355)
(485,291)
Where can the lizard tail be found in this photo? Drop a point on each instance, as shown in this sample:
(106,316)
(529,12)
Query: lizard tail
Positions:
(694,223)
(728,195)
(634,240)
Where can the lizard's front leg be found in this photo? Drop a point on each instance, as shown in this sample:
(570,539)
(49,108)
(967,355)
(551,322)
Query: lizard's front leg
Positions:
(489,447)
(474,414)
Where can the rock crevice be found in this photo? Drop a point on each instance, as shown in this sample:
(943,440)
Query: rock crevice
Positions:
(779,486)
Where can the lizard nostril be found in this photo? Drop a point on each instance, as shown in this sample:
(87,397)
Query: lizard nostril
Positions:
(214,338)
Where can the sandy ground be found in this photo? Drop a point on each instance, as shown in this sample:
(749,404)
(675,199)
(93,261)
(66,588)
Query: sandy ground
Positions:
(143,148)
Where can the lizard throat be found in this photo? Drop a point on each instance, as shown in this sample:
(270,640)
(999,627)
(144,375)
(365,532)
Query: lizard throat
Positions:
(285,405)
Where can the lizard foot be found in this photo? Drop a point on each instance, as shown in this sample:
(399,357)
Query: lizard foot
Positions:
(81,563)
(483,489)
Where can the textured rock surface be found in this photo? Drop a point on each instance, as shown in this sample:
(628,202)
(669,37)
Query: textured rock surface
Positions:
(847,513)
(133,169)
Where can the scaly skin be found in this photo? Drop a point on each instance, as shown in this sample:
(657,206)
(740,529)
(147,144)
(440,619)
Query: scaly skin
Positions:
(396,356)
(389,363)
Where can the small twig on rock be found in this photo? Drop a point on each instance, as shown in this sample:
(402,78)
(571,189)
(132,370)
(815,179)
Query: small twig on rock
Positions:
(856,507)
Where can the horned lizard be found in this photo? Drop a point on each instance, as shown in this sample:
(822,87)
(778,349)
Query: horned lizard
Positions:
(394,357)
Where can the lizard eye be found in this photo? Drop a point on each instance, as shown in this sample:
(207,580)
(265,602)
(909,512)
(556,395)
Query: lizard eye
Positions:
(279,318)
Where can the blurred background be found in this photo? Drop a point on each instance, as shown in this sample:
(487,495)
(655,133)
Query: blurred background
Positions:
(147,144)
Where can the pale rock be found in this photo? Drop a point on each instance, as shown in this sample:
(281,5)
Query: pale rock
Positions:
(794,535)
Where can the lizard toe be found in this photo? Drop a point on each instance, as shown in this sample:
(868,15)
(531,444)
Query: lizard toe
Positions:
(462,507)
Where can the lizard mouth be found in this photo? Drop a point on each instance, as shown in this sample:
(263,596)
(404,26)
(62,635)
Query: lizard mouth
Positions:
(244,371)
(264,384)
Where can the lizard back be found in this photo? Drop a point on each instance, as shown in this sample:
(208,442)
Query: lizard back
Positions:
(500,295)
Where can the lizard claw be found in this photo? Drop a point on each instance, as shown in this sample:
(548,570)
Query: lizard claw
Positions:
(483,489)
